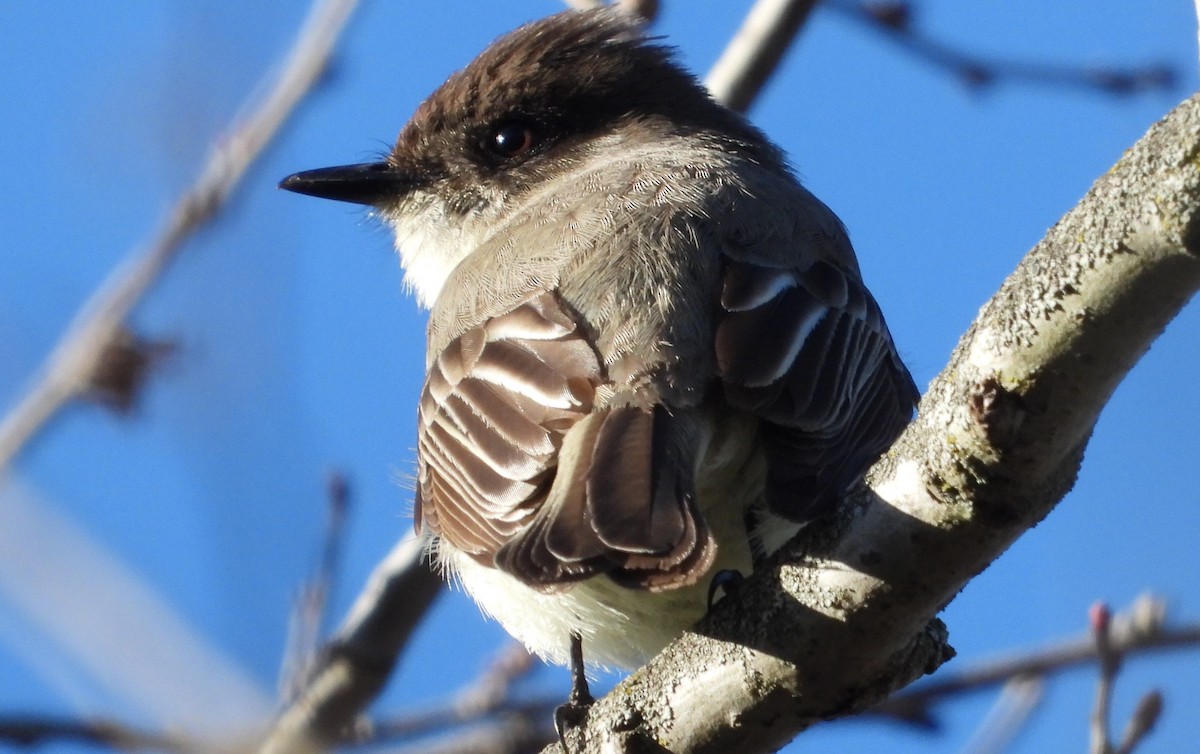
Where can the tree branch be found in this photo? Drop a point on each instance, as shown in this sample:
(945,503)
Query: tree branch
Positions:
(843,615)
(1018,700)
(894,19)
(79,359)
(31,731)
(309,619)
(488,704)
(487,699)
(755,51)
(1137,632)
(356,663)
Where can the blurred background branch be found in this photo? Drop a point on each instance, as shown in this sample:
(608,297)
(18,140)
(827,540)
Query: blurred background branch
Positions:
(896,22)
(82,362)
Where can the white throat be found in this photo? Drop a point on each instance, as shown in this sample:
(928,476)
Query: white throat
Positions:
(431,243)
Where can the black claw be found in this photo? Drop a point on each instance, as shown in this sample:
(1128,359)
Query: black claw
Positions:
(727,579)
(572,713)
(566,716)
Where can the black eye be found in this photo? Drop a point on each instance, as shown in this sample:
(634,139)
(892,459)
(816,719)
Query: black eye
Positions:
(510,139)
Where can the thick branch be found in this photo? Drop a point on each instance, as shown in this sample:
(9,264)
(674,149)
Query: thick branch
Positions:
(844,615)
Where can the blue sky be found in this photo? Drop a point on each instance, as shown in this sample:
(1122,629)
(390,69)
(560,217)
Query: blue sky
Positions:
(300,352)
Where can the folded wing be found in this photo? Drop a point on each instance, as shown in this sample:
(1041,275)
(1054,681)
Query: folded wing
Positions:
(806,349)
(519,468)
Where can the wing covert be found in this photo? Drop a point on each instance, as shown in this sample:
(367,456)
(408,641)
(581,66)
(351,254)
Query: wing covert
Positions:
(807,350)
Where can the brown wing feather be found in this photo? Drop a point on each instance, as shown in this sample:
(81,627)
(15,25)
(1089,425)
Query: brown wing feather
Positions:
(807,350)
(520,470)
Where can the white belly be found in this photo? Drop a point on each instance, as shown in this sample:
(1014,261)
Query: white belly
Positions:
(620,627)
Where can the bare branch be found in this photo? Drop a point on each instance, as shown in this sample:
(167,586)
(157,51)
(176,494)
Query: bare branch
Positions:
(1129,634)
(489,694)
(310,613)
(843,615)
(893,19)
(512,733)
(1111,657)
(1011,711)
(71,371)
(356,663)
(487,704)
(1110,663)
(755,51)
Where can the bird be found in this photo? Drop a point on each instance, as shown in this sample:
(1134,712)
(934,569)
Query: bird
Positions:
(651,357)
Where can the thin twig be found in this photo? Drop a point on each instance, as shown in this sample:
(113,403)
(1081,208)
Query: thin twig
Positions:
(70,370)
(357,661)
(1135,632)
(445,719)
(894,21)
(494,685)
(310,614)
(1148,710)
(1011,711)
(511,733)
(1109,659)
(486,695)
(755,51)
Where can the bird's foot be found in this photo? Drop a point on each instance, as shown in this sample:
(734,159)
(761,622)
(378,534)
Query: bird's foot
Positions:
(572,713)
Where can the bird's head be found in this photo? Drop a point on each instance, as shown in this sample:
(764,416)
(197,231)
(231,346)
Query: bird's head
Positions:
(545,100)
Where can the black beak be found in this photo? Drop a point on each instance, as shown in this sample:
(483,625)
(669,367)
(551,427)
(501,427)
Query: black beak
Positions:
(367,183)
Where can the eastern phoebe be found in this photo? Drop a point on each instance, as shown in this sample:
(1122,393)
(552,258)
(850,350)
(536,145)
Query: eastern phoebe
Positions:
(650,353)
